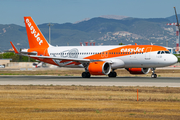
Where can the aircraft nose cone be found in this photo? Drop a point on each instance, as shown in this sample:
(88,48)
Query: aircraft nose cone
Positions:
(173,59)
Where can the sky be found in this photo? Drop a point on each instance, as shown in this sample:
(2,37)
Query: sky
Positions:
(63,11)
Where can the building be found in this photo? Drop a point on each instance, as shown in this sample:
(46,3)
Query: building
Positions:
(4,61)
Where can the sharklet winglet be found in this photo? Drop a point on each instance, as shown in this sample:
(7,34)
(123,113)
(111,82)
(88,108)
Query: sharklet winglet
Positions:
(15,49)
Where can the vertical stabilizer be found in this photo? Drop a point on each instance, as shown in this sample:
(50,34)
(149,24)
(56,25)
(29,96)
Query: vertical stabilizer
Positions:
(35,37)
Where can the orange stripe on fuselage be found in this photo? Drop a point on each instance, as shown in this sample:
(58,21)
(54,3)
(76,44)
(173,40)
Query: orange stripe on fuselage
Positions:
(126,50)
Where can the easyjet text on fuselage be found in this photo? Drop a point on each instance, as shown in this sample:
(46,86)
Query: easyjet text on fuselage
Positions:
(137,49)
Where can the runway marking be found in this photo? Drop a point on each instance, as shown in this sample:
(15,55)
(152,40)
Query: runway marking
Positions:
(93,81)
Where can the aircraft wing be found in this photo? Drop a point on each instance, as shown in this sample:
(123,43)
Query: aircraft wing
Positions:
(60,58)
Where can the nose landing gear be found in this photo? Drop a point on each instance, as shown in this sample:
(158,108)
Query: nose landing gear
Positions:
(154,75)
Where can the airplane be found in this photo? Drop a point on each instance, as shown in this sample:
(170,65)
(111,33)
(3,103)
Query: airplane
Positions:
(96,60)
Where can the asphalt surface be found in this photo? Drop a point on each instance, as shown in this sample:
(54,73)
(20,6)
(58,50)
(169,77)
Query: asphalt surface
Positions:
(93,81)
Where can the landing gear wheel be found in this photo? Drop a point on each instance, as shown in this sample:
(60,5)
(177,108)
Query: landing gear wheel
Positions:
(153,76)
(112,74)
(86,75)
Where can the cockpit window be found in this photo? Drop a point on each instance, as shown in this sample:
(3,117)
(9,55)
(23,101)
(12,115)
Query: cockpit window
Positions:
(170,50)
(167,52)
(162,52)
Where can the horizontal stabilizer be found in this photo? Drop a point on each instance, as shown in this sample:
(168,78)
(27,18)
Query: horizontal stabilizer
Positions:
(17,52)
(29,53)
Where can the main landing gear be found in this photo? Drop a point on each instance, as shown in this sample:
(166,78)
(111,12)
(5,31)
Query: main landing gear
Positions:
(86,75)
(154,75)
(112,74)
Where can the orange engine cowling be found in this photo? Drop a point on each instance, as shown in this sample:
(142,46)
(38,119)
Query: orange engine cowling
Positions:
(138,70)
(99,68)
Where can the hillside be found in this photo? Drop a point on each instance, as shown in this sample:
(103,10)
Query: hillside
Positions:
(100,30)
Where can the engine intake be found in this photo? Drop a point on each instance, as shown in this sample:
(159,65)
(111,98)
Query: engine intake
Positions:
(99,68)
(138,70)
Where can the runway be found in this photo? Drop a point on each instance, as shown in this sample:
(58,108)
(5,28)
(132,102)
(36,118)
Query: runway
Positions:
(93,81)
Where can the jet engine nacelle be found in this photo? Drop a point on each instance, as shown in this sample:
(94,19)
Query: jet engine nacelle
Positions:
(99,68)
(138,70)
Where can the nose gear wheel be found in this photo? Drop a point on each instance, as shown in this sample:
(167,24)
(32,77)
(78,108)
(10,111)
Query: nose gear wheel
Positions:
(153,75)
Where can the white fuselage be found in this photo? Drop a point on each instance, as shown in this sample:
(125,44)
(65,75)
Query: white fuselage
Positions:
(142,60)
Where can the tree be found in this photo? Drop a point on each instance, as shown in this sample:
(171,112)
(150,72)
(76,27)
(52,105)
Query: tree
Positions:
(1,56)
(178,56)
(15,57)
(121,44)
(8,55)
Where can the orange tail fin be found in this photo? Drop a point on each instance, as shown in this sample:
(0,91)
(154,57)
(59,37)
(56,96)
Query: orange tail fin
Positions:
(35,37)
